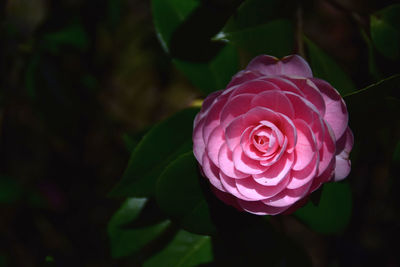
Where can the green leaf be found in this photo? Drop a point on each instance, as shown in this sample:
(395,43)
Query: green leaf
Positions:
(125,241)
(324,67)
(272,38)
(214,75)
(385,31)
(168,15)
(185,250)
(163,143)
(208,75)
(179,194)
(73,35)
(333,212)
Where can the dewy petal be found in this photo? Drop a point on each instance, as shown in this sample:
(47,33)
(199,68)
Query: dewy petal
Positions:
(336,112)
(215,142)
(246,164)
(226,163)
(343,164)
(235,107)
(293,65)
(276,172)
(274,100)
(211,172)
(253,190)
(259,208)
(306,145)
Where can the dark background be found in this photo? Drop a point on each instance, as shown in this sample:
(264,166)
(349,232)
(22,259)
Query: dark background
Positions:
(81,81)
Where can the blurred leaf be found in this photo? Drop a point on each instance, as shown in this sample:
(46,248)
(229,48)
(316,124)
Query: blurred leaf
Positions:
(214,75)
(163,143)
(185,250)
(114,12)
(272,38)
(385,31)
(333,212)
(10,190)
(125,241)
(73,35)
(372,67)
(324,67)
(179,194)
(212,65)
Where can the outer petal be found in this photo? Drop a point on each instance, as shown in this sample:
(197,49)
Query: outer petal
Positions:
(343,164)
(226,165)
(198,141)
(259,208)
(336,112)
(243,76)
(253,190)
(211,172)
(271,66)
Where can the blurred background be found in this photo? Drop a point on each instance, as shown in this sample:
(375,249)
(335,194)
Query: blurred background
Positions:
(81,81)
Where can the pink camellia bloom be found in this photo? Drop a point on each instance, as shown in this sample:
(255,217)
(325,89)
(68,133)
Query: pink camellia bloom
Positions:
(273,136)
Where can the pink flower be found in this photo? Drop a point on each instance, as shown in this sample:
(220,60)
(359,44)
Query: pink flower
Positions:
(273,136)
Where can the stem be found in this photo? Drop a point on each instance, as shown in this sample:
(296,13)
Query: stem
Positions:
(299,31)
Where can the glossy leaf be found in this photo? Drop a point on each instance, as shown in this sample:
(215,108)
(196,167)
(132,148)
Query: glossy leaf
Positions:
(211,69)
(214,75)
(185,250)
(180,196)
(124,240)
(324,67)
(385,31)
(272,38)
(163,143)
(333,212)
(257,28)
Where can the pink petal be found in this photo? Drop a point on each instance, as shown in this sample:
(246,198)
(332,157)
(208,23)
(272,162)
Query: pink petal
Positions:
(215,142)
(288,196)
(343,164)
(276,172)
(306,145)
(226,163)
(211,172)
(311,93)
(235,107)
(212,120)
(243,76)
(285,85)
(253,190)
(303,176)
(274,100)
(198,141)
(259,208)
(271,66)
(226,198)
(336,112)
(207,103)
(229,185)
(295,65)
(246,164)
(327,151)
(254,87)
